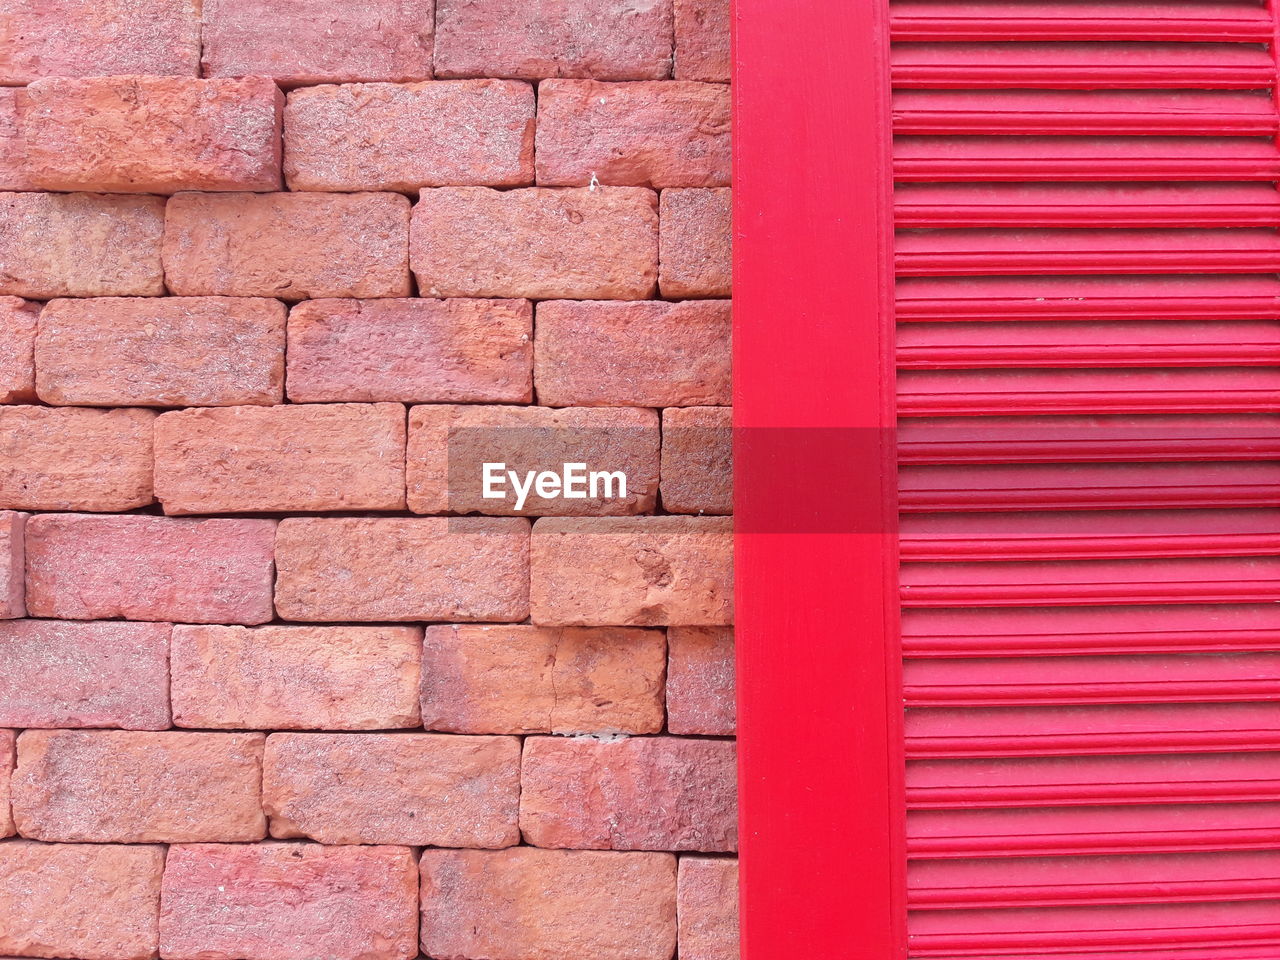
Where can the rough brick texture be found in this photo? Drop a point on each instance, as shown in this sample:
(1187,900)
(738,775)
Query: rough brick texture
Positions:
(700,681)
(347,456)
(80,245)
(576,244)
(17,350)
(526,904)
(13,157)
(91,901)
(292,246)
(75,458)
(163,352)
(707,905)
(300,42)
(110,786)
(418,351)
(87,38)
(12,565)
(649,134)
(636,793)
(425,568)
(152,134)
(522,679)
(295,678)
(697,460)
(633,354)
(401,788)
(8,753)
(449,445)
(386,136)
(82,567)
(63,673)
(695,255)
(600,39)
(702,40)
(225,902)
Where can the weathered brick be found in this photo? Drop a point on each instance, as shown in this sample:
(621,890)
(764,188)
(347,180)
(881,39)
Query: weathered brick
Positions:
(114,786)
(17,350)
(700,681)
(649,134)
(341,456)
(527,904)
(75,458)
(421,568)
(61,673)
(161,351)
(402,788)
(702,40)
(640,571)
(295,678)
(80,245)
(8,755)
(95,38)
(92,901)
(697,460)
(418,351)
(635,793)
(281,901)
(288,245)
(152,134)
(478,242)
(696,248)
(522,679)
(82,567)
(633,354)
(601,39)
(387,136)
(299,42)
(449,445)
(12,566)
(707,904)
(13,153)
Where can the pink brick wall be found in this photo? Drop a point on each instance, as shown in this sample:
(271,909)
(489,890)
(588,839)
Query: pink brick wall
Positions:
(277,277)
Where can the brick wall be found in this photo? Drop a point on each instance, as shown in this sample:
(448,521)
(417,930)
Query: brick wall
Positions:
(264,694)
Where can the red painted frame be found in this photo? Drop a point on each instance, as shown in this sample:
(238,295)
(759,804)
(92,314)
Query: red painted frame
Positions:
(819,664)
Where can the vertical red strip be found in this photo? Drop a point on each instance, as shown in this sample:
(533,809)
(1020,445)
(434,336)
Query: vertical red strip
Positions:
(817,610)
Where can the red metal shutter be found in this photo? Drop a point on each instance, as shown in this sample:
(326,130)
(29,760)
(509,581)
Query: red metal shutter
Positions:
(1089,377)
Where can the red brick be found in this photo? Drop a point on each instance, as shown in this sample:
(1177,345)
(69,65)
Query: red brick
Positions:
(477,242)
(697,460)
(696,249)
(17,350)
(449,445)
(707,903)
(421,568)
(634,793)
(301,42)
(281,901)
(341,456)
(527,904)
(113,786)
(702,40)
(75,458)
(288,245)
(404,788)
(80,245)
(161,351)
(418,351)
(522,679)
(83,38)
(633,354)
(637,571)
(152,134)
(12,565)
(386,136)
(700,681)
(13,153)
(601,39)
(8,754)
(650,134)
(295,678)
(60,673)
(87,900)
(149,568)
